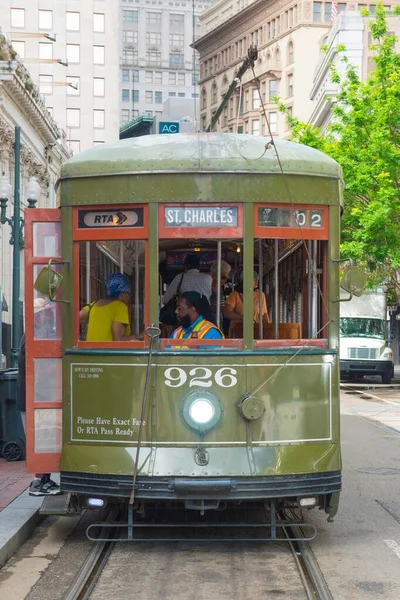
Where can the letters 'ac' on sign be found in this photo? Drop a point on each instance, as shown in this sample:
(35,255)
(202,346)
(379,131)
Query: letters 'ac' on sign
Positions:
(168,127)
(94,219)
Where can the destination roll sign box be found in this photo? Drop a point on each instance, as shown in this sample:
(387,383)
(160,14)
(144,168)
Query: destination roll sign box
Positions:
(201,216)
(93,219)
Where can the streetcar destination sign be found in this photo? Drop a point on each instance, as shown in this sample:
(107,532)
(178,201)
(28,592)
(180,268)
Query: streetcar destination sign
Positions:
(201,216)
(93,219)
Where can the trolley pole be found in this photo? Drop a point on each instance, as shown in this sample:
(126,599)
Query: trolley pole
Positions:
(17,244)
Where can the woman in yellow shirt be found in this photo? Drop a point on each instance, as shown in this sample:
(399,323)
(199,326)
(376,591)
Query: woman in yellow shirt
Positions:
(233,308)
(108,319)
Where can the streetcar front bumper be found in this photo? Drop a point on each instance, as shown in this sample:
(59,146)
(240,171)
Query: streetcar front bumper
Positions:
(202,488)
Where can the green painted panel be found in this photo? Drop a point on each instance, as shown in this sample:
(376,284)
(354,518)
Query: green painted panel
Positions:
(226,461)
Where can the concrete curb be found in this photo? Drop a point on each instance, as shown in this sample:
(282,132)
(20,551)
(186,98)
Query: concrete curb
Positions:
(17,521)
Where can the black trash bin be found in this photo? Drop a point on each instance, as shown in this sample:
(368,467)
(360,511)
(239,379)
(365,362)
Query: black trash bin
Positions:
(12,442)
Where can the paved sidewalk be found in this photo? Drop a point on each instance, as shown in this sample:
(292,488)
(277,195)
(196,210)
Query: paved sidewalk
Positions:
(13,481)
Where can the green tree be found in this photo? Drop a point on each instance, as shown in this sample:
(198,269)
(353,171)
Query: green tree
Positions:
(364,138)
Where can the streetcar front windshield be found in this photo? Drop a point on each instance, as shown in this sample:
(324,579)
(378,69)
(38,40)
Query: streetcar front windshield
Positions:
(361,327)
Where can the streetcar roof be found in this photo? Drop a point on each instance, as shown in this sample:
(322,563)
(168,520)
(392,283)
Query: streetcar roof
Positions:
(200,153)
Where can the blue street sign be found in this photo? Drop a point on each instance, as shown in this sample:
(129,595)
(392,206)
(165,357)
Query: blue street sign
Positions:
(168,127)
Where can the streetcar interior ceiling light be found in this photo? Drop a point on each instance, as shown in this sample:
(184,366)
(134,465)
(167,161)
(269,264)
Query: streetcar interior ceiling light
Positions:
(95,502)
(238,249)
(308,502)
(201,411)
(196,249)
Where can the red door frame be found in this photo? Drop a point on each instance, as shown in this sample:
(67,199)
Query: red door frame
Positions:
(50,461)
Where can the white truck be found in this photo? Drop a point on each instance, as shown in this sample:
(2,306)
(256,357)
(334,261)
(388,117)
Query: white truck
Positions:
(364,346)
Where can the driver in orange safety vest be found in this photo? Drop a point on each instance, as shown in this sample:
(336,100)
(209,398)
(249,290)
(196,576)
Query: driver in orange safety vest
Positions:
(193,312)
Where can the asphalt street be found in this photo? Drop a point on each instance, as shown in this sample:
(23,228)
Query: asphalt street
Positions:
(359,553)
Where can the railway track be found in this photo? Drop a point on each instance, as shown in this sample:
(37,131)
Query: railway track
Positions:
(296,557)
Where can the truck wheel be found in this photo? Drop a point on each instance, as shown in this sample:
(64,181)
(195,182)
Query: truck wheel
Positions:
(386,378)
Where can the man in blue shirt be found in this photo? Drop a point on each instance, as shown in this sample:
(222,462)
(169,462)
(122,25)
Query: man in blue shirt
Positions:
(193,312)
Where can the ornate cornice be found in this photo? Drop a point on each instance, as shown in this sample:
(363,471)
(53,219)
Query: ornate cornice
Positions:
(29,162)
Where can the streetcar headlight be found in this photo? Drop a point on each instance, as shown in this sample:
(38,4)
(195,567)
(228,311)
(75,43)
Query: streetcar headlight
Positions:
(201,411)
(387,353)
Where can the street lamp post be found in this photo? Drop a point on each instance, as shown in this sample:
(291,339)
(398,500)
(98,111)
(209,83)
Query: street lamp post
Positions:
(32,193)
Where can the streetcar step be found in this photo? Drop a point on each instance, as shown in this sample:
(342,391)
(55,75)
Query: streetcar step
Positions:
(57,505)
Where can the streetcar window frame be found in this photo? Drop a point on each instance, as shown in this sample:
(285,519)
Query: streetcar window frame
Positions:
(82,233)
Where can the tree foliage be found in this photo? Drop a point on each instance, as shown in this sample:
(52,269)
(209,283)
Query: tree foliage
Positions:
(364,138)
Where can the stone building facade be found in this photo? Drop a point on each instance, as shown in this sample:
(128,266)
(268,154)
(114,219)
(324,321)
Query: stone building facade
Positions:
(289,35)
(43,149)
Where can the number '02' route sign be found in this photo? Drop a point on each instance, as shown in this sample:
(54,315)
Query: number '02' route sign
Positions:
(168,127)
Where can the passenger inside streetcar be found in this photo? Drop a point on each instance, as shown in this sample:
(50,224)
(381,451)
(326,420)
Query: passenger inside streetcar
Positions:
(233,308)
(107,319)
(194,316)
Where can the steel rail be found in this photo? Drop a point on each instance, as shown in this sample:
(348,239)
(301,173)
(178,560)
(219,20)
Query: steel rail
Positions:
(311,575)
(89,573)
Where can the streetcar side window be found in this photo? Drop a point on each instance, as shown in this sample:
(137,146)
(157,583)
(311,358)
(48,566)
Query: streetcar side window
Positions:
(98,260)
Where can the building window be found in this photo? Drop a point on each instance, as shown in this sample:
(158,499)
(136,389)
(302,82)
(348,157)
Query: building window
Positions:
(19,47)
(98,142)
(125,78)
(290,85)
(73,117)
(176,20)
(149,77)
(73,53)
(317,12)
(73,91)
(98,55)
(98,119)
(98,86)
(74,146)
(256,101)
(45,19)
(125,115)
(272,89)
(153,38)
(98,22)
(135,76)
(129,56)
(149,113)
(176,60)
(153,18)
(135,95)
(45,89)
(195,79)
(181,95)
(255,127)
(125,95)
(181,78)
(73,19)
(153,57)
(176,39)
(214,95)
(273,122)
(172,78)
(246,101)
(18,17)
(158,77)
(149,97)
(130,16)
(172,94)
(290,53)
(203,98)
(129,36)
(195,95)
(158,97)
(45,50)
(135,113)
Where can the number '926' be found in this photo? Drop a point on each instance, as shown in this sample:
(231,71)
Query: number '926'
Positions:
(200,377)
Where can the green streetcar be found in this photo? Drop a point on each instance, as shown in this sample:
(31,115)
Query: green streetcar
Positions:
(205,423)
